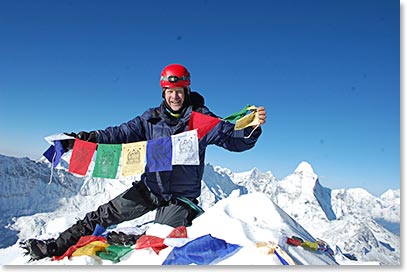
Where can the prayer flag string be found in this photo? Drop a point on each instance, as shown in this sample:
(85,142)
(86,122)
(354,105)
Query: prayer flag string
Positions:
(152,156)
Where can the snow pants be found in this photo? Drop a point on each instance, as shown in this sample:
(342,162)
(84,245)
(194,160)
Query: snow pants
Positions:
(131,204)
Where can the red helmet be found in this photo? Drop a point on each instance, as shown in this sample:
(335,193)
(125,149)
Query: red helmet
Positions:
(175,75)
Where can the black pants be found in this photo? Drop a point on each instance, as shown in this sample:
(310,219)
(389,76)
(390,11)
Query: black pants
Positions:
(131,204)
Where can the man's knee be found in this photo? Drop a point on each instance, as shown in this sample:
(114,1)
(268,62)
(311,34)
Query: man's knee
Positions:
(174,215)
(140,194)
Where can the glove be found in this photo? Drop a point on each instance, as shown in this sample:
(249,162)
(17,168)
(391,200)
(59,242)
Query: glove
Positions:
(83,135)
(123,239)
(68,144)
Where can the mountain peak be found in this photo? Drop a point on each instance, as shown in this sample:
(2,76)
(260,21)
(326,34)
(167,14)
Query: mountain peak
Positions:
(304,167)
(391,194)
(255,172)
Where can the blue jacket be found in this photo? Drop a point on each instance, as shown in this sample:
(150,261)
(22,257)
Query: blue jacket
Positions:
(183,180)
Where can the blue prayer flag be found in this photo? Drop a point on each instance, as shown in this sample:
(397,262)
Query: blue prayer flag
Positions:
(99,230)
(204,250)
(54,153)
(159,155)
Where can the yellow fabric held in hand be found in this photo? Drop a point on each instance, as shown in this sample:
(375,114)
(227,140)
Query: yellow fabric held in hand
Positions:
(252,119)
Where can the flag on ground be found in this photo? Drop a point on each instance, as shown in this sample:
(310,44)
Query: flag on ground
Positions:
(204,250)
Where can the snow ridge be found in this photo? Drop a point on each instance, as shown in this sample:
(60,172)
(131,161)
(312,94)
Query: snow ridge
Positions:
(351,220)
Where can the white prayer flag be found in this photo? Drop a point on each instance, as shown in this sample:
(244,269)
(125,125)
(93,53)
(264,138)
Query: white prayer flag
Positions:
(185,149)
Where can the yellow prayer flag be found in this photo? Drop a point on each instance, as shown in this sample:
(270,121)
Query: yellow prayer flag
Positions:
(91,249)
(266,247)
(251,119)
(133,158)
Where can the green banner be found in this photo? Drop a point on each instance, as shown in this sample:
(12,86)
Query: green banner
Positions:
(107,160)
(235,116)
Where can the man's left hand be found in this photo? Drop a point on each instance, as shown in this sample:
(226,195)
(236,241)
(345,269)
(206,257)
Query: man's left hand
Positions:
(261,112)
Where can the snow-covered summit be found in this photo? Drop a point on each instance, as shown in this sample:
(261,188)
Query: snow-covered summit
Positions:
(337,216)
(391,196)
(348,219)
(241,220)
(304,167)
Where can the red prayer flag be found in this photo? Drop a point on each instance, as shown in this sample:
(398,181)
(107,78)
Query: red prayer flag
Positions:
(178,232)
(293,242)
(146,241)
(82,154)
(203,123)
(157,243)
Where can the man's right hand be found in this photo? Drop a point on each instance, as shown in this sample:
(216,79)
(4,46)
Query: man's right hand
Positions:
(68,144)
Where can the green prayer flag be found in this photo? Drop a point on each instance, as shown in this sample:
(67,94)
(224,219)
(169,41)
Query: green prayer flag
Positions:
(114,253)
(237,115)
(107,160)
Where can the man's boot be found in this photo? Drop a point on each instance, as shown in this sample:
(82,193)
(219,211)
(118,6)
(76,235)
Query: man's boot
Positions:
(39,249)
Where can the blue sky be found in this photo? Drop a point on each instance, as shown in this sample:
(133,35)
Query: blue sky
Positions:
(328,73)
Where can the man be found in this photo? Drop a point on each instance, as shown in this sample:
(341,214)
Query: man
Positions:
(173,194)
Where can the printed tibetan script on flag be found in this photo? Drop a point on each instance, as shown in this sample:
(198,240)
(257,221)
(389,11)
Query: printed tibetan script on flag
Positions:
(107,160)
(153,155)
(82,154)
(185,148)
(133,158)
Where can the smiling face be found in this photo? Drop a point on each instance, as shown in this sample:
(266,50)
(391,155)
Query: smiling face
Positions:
(174,97)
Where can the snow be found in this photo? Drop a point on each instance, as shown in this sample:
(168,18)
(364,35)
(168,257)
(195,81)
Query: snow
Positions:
(304,167)
(391,195)
(241,208)
(242,220)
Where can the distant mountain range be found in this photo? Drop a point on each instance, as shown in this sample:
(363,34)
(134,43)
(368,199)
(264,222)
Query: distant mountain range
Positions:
(350,220)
